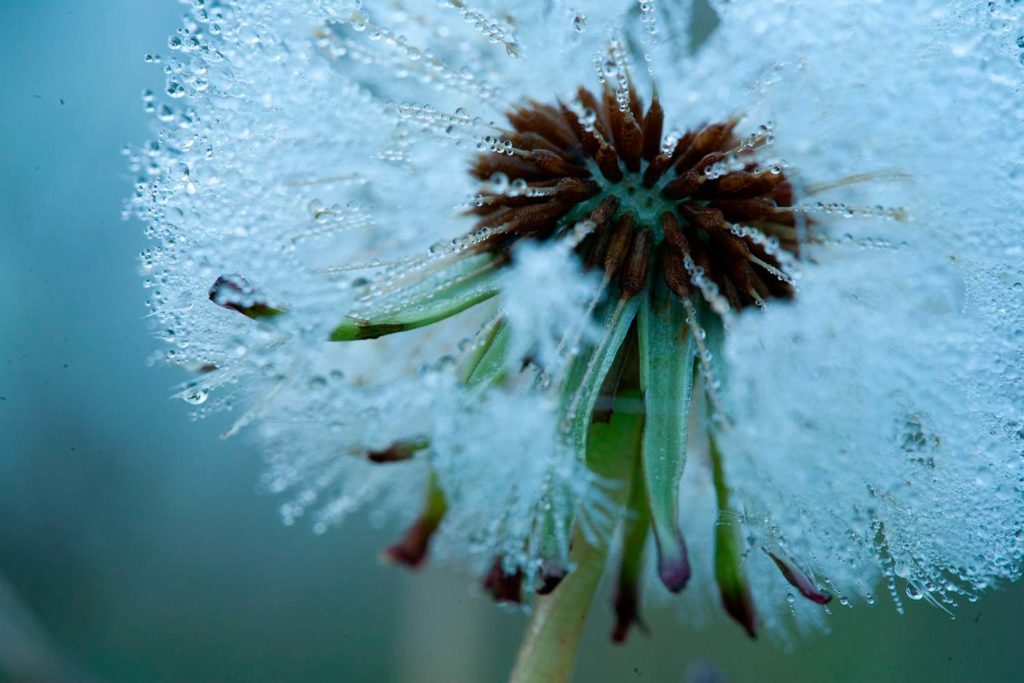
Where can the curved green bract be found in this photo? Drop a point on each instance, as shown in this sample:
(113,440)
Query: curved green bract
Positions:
(668,354)
(732,581)
(589,369)
(434,306)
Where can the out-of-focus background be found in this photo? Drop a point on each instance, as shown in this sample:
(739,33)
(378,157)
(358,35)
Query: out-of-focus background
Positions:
(134,545)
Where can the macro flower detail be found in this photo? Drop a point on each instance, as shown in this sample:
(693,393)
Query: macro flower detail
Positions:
(681,231)
(551,329)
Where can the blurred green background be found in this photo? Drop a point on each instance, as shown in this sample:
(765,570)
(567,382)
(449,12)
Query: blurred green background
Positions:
(134,546)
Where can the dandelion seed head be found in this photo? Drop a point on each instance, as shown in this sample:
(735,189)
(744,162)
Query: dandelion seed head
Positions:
(308,180)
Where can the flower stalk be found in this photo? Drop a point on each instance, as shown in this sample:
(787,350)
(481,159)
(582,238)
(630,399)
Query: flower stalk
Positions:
(548,650)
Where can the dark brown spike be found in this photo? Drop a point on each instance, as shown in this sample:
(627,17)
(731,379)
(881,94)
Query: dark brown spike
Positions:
(684,186)
(528,140)
(628,138)
(759,285)
(656,169)
(682,144)
(705,218)
(597,245)
(735,298)
(707,161)
(493,202)
(544,120)
(603,123)
(538,220)
(575,190)
(594,248)
(486,165)
(674,273)
(709,139)
(565,190)
(744,185)
(605,211)
(633,278)
(632,146)
(560,132)
(673,232)
(734,262)
(636,105)
(608,162)
(556,165)
(590,142)
(699,254)
(783,193)
(751,209)
(498,216)
(618,246)
(654,122)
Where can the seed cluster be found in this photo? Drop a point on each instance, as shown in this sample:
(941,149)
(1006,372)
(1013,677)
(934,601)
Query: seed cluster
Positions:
(699,211)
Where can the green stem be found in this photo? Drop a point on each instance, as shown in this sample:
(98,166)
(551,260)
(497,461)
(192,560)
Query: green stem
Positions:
(548,651)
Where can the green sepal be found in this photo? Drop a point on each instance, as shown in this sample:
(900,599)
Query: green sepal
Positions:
(588,370)
(668,354)
(489,363)
(714,340)
(460,293)
(635,529)
(732,581)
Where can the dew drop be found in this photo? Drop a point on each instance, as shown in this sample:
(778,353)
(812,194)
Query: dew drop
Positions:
(196,396)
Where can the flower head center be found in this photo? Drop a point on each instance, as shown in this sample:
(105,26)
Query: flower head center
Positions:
(699,210)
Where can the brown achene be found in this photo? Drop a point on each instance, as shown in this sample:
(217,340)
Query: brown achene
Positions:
(699,210)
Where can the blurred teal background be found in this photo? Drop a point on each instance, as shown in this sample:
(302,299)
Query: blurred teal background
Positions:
(134,546)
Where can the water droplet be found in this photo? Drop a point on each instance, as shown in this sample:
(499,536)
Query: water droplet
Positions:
(196,396)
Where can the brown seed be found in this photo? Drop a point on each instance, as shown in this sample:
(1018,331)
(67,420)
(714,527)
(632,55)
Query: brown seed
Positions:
(634,273)
(743,184)
(603,123)
(555,164)
(709,139)
(674,236)
(590,141)
(653,123)
(675,275)
(608,162)
(618,247)
(683,186)
(705,218)
(744,209)
(655,170)
(537,220)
